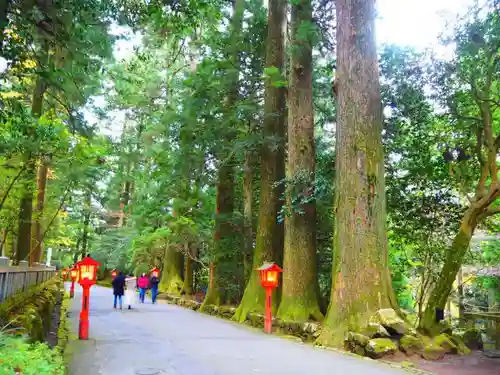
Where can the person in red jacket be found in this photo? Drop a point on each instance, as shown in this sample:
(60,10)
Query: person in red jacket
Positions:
(142,283)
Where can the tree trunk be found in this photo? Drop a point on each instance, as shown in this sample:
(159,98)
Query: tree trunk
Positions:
(171,281)
(269,239)
(299,300)
(26,202)
(3,242)
(37,248)
(223,234)
(360,281)
(86,221)
(452,265)
(187,288)
(224,230)
(247,214)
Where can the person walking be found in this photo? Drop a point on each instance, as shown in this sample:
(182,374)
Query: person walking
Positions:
(118,289)
(154,288)
(130,287)
(143,284)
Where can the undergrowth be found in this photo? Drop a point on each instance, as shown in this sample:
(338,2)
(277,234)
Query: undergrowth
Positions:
(19,357)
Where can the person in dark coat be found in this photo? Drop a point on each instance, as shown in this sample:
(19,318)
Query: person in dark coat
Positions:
(154,288)
(119,289)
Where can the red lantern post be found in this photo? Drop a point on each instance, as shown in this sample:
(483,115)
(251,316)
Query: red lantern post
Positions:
(87,277)
(269,279)
(155,272)
(73,274)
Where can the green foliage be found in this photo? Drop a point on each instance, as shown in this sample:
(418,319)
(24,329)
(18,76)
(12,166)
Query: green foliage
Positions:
(19,356)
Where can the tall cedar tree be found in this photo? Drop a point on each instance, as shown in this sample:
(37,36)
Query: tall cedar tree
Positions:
(269,241)
(360,280)
(224,231)
(299,299)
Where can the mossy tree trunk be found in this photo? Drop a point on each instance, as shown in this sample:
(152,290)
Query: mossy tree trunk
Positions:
(269,238)
(360,281)
(299,299)
(453,263)
(171,280)
(224,229)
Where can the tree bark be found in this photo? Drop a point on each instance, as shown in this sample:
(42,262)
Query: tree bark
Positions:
(299,299)
(360,281)
(269,238)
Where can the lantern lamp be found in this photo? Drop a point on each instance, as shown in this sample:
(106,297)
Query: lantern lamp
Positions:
(73,274)
(87,272)
(269,273)
(64,273)
(155,272)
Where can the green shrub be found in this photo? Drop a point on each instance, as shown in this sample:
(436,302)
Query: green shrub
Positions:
(18,356)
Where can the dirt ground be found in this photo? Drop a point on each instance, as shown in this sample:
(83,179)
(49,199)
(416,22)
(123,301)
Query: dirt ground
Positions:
(475,364)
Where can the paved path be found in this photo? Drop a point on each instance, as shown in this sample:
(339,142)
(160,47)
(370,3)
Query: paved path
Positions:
(169,340)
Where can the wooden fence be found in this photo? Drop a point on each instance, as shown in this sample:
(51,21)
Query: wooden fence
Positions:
(17,279)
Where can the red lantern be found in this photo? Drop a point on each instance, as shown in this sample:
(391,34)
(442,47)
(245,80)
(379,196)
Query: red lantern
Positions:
(155,272)
(73,274)
(269,273)
(64,273)
(87,272)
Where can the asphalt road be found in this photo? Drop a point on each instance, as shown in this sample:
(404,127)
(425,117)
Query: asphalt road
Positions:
(164,339)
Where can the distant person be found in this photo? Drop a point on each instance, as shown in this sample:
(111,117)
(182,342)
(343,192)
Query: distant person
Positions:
(130,287)
(154,288)
(118,289)
(143,284)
